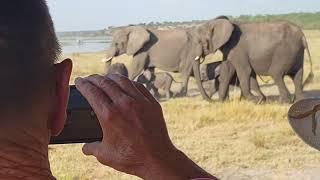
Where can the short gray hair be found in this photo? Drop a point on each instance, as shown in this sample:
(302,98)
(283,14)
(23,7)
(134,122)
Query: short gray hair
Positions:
(28,48)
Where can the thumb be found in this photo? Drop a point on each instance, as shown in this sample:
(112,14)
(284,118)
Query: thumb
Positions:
(91,149)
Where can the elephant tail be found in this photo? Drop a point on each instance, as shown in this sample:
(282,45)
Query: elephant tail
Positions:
(174,79)
(311,74)
(263,80)
(177,81)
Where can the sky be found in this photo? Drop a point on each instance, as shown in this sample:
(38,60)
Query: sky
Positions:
(75,15)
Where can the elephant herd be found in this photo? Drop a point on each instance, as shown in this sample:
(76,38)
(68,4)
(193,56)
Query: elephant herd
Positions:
(249,49)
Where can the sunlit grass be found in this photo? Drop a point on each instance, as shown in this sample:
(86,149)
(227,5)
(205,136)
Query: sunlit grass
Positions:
(216,135)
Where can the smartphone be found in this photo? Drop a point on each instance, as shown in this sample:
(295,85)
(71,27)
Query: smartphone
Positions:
(82,125)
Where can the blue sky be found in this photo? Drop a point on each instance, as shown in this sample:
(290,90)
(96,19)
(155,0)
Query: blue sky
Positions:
(70,15)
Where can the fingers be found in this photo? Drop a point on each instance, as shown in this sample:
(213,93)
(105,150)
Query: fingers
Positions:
(91,149)
(101,104)
(144,91)
(99,151)
(95,96)
(108,86)
(127,85)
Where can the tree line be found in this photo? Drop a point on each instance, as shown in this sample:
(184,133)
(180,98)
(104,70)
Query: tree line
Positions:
(304,20)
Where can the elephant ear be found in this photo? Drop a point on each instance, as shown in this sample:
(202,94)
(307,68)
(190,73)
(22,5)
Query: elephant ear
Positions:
(138,36)
(222,31)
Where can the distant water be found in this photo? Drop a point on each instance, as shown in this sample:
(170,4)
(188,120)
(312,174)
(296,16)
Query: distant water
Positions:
(69,47)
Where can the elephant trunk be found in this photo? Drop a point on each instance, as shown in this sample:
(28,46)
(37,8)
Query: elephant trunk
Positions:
(196,72)
(112,52)
(108,65)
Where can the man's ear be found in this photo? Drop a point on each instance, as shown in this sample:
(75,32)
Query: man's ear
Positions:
(62,73)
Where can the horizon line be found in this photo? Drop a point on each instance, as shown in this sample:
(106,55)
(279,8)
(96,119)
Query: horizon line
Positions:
(236,16)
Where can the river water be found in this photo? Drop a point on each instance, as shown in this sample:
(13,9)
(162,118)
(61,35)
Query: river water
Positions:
(69,47)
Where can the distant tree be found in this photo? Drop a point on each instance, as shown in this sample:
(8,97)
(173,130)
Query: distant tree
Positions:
(304,20)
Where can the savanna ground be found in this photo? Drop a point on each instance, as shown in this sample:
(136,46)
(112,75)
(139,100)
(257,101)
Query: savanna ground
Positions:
(233,140)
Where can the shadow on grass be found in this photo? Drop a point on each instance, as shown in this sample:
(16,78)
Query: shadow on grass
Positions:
(193,92)
(312,94)
(308,94)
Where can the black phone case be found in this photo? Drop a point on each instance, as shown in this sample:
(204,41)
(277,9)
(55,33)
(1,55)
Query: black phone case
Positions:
(82,125)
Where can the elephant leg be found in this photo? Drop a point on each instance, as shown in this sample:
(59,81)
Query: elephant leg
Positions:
(139,63)
(283,90)
(155,94)
(224,89)
(210,87)
(244,78)
(168,91)
(241,95)
(214,88)
(245,88)
(153,90)
(184,86)
(240,62)
(227,72)
(107,66)
(168,94)
(297,80)
(256,88)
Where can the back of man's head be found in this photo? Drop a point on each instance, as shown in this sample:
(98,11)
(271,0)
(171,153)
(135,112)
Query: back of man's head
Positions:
(28,48)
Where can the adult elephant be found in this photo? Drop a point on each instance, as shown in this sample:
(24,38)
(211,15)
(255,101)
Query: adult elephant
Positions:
(178,50)
(274,49)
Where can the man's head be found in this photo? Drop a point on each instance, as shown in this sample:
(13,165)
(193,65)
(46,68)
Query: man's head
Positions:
(33,85)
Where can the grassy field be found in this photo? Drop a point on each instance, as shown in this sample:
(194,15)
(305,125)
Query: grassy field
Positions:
(219,136)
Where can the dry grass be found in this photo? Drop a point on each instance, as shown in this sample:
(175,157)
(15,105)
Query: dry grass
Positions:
(218,136)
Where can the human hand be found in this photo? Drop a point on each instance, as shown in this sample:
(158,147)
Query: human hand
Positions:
(135,137)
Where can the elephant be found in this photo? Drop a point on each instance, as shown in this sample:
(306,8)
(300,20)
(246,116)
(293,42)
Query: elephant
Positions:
(117,68)
(155,81)
(211,73)
(176,50)
(273,49)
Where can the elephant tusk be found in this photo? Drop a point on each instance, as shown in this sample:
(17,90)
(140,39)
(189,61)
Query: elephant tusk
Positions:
(197,58)
(107,59)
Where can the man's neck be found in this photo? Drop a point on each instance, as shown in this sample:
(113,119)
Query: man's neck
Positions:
(24,154)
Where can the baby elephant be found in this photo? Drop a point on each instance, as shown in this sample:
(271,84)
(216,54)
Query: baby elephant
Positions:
(210,77)
(155,81)
(117,68)
(224,72)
